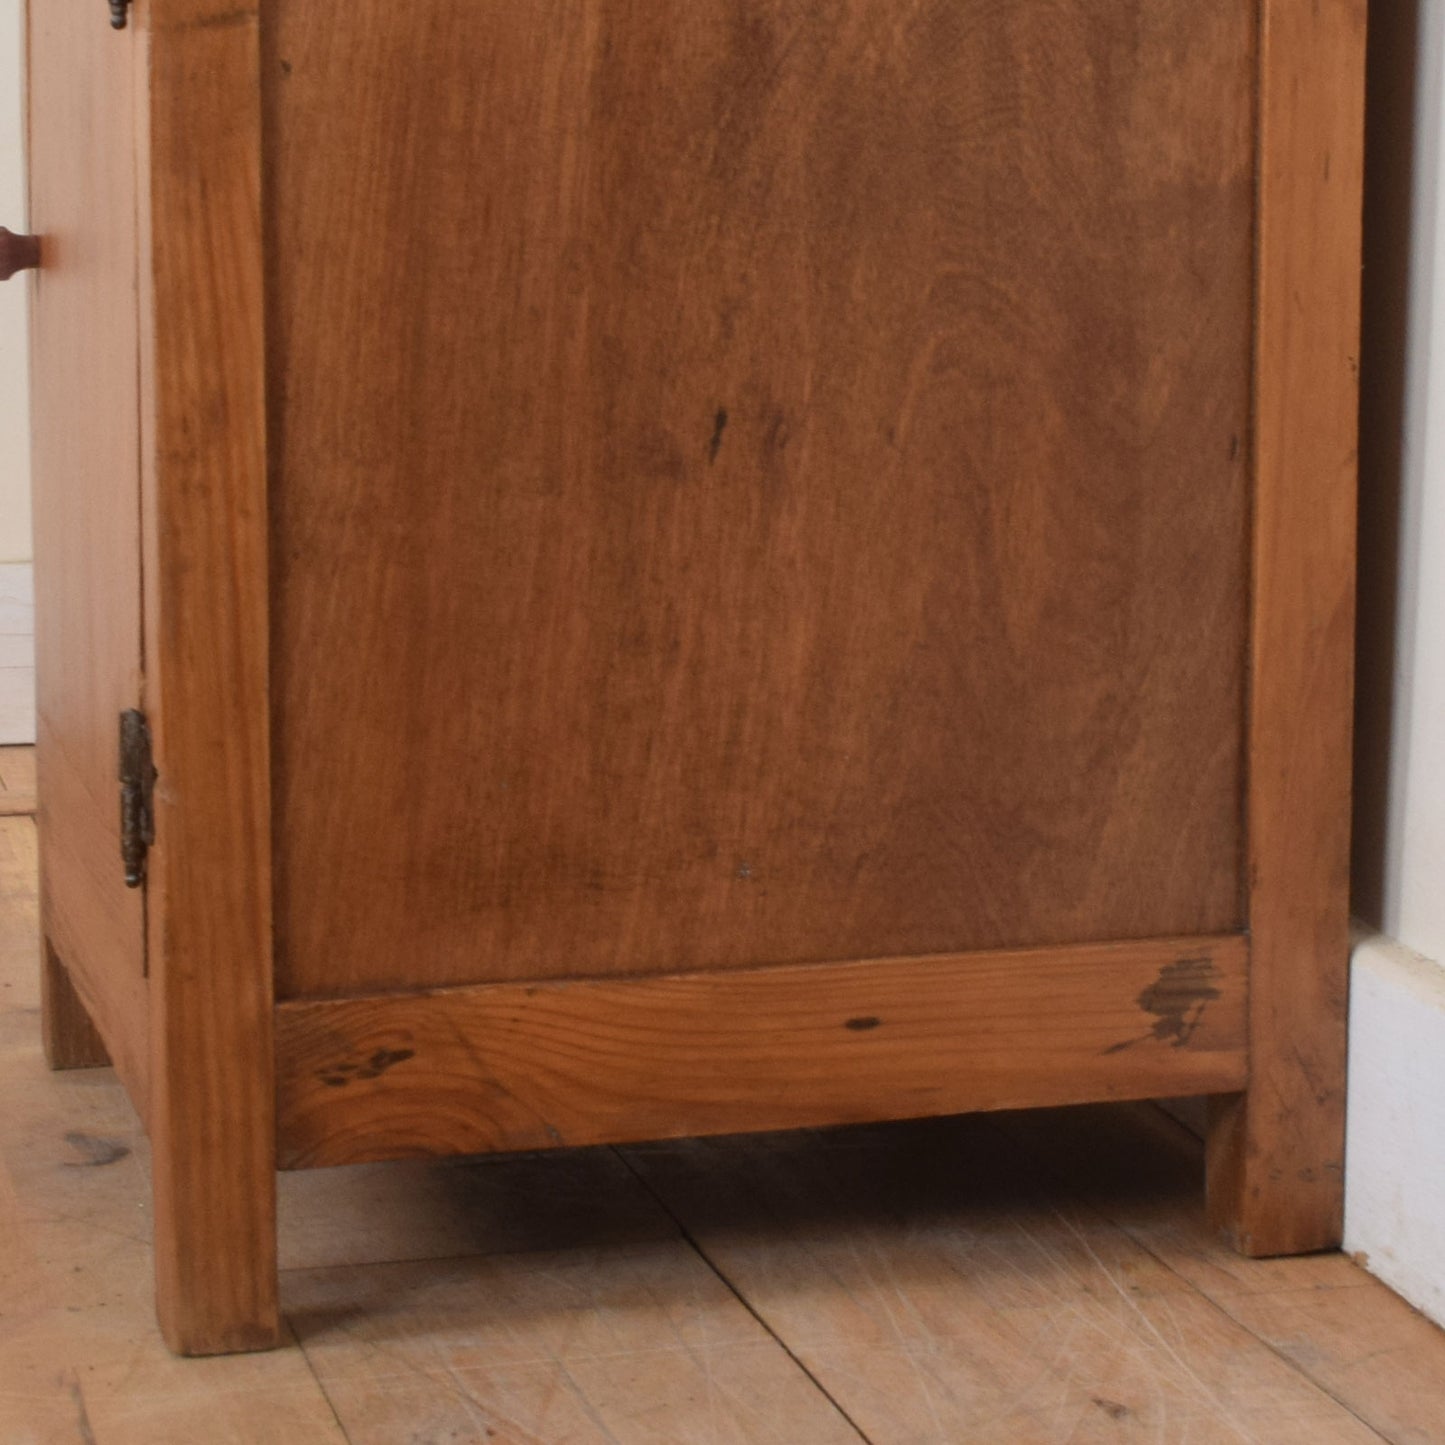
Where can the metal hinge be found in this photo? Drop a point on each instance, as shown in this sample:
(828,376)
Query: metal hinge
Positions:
(137,785)
(118,10)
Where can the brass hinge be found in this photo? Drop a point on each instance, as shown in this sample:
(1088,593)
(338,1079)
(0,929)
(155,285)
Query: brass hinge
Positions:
(137,785)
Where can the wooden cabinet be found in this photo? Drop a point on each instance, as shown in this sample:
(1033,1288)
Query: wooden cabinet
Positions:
(692,568)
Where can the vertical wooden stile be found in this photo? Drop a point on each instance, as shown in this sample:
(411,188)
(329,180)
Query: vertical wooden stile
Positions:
(1277,1151)
(206,638)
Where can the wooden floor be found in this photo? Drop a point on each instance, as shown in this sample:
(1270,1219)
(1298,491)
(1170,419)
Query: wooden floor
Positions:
(1000,1279)
(17,781)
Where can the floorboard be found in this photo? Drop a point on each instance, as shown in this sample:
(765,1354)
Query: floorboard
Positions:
(943,1287)
(17,781)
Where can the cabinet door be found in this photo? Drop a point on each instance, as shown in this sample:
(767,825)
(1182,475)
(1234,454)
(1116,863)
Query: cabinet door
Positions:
(82,78)
(753,482)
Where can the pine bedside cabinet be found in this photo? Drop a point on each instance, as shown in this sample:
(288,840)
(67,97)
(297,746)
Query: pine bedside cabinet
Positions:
(616,570)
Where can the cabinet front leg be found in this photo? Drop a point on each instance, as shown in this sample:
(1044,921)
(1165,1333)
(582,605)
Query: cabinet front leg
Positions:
(214,1182)
(67,1031)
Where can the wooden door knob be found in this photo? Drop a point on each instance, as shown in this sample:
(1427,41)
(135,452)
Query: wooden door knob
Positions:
(17,253)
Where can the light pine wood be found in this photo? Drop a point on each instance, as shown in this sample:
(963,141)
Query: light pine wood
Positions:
(86,518)
(1322,1313)
(637,1343)
(941,1289)
(794,511)
(206,686)
(511,1066)
(17,781)
(1277,1181)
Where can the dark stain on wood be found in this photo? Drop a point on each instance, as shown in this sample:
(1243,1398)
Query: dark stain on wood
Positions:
(1177,999)
(1112,1408)
(83,1427)
(862,1025)
(719,426)
(335,1075)
(94,1151)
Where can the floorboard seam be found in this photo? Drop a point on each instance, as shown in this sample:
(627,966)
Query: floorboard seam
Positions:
(320,1383)
(1130,1233)
(1269,1345)
(738,1295)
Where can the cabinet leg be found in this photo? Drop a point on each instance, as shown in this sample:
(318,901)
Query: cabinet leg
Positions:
(215,1242)
(1275,1184)
(68,1034)
(213,1157)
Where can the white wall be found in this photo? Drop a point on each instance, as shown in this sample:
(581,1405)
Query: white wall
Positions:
(14,426)
(1395,1152)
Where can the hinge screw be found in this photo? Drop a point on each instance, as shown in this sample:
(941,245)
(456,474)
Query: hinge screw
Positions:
(118,10)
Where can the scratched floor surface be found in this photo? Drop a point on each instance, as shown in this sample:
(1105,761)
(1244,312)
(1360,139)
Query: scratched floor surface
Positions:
(1009,1279)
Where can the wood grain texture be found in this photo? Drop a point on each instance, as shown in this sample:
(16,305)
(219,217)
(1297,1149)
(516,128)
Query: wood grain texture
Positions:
(17,781)
(205,480)
(636,1343)
(514,1066)
(796,511)
(1353,1337)
(86,516)
(81,1359)
(1277,1152)
(945,1286)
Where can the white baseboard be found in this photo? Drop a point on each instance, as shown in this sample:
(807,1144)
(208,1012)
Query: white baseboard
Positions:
(1395,1149)
(17,652)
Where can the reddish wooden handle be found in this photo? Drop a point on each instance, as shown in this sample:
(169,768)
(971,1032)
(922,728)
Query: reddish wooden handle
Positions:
(17,253)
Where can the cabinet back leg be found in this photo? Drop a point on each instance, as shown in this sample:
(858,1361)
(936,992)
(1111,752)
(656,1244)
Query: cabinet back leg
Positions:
(67,1030)
(1275,1185)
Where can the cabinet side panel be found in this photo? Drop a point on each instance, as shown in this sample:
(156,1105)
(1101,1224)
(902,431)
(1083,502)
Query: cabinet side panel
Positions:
(754,482)
(82,79)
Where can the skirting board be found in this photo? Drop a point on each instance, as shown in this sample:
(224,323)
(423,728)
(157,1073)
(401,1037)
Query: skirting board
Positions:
(1395,1151)
(17,652)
